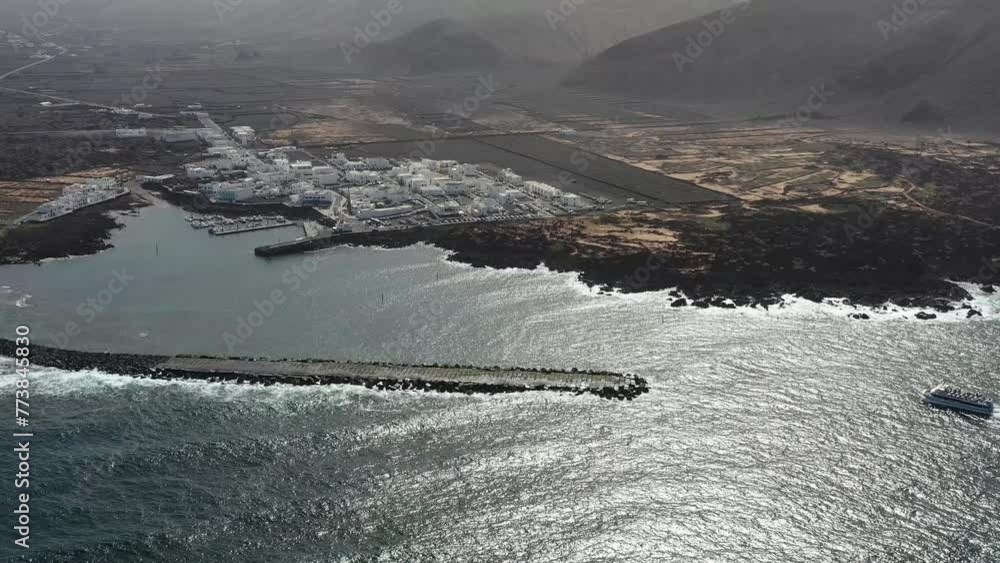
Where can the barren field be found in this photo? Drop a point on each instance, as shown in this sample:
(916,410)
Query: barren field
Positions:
(805,166)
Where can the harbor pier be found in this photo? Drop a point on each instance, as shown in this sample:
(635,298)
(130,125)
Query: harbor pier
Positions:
(458,379)
(373,375)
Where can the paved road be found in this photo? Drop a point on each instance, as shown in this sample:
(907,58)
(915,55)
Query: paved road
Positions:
(27,66)
(57,98)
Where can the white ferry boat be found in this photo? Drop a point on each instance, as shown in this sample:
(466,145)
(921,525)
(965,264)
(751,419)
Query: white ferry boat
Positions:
(956,399)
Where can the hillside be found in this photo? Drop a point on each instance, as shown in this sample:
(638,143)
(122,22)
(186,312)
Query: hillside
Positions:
(439,46)
(523,31)
(931,67)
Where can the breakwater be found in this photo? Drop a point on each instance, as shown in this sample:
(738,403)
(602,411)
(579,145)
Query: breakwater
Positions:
(374,375)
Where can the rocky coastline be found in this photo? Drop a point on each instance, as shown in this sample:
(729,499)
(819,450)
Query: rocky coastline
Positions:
(84,232)
(745,258)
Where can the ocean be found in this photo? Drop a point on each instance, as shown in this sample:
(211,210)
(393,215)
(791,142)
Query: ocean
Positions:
(794,434)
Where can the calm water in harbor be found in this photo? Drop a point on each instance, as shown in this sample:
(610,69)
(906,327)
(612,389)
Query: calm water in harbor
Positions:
(792,435)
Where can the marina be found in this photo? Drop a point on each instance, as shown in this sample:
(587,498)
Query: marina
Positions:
(220,226)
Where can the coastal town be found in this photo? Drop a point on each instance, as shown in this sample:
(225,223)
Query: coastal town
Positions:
(355,195)
(368,193)
(76,197)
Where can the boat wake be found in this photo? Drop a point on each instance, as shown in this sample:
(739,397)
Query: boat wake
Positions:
(11,297)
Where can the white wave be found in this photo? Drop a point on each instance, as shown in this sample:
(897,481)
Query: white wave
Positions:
(55,382)
(789,306)
(22,302)
(9,296)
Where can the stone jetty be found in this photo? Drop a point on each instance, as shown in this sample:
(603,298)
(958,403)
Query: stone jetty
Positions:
(383,376)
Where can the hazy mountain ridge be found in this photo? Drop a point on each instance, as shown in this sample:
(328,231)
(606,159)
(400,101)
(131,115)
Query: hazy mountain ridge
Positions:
(439,46)
(876,58)
(522,30)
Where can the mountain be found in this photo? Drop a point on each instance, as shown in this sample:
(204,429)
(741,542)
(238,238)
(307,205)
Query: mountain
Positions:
(439,46)
(929,65)
(550,32)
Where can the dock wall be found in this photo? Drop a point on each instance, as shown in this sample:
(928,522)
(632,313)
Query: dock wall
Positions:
(383,376)
(458,379)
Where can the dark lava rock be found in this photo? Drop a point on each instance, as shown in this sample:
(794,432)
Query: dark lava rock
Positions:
(861,316)
(989,289)
(680,303)
(926,316)
(702,304)
(974,313)
(722,303)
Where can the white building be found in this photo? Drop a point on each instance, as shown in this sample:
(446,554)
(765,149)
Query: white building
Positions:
(432,191)
(540,189)
(571,200)
(318,198)
(454,188)
(234,193)
(198,172)
(495,190)
(462,170)
(416,182)
(449,209)
(244,135)
(378,164)
(485,206)
(509,177)
(160,178)
(354,165)
(363,177)
(376,212)
(513,195)
(326,175)
(301,186)
(302,168)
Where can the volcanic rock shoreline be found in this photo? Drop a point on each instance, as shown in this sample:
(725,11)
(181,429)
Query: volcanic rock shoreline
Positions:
(149,366)
(743,258)
(81,233)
